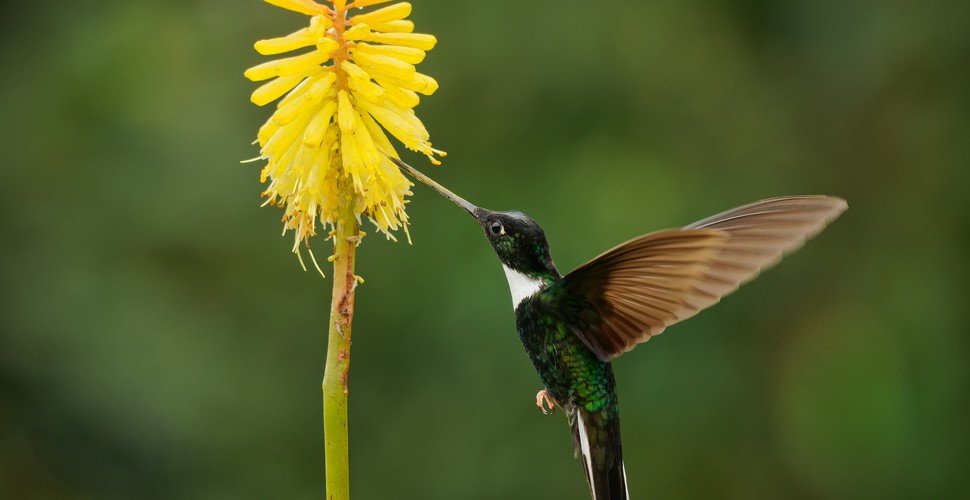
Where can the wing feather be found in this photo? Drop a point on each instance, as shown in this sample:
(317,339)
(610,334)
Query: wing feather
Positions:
(641,287)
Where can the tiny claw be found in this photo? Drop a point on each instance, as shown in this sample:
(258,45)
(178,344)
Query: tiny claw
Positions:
(543,396)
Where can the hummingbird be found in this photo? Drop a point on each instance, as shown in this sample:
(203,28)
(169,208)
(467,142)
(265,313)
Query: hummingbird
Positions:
(574,326)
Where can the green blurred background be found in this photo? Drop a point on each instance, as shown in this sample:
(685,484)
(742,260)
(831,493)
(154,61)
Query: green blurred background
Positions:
(159,340)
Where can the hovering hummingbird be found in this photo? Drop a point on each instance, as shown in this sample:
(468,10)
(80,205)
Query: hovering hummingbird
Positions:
(573,326)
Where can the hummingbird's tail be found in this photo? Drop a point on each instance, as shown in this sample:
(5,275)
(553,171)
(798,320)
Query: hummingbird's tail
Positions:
(596,436)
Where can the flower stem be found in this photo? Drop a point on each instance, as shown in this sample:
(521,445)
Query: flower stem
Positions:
(346,237)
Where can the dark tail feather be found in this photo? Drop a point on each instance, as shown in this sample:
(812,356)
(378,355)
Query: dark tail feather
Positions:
(596,438)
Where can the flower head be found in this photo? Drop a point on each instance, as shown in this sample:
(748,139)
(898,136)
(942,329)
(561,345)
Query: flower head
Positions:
(326,144)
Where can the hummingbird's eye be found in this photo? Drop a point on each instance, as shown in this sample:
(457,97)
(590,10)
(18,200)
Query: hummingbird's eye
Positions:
(496,227)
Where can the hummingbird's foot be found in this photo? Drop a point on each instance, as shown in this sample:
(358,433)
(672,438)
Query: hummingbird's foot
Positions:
(543,396)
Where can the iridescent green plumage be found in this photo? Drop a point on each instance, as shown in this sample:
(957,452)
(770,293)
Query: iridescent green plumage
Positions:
(583,385)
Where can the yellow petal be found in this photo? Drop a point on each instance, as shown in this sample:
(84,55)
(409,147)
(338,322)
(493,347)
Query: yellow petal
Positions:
(377,134)
(350,156)
(368,152)
(367,90)
(390,13)
(354,71)
(345,112)
(306,103)
(299,90)
(269,92)
(281,163)
(303,63)
(420,83)
(417,40)
(320,24)
(307,7)
(284,139)
(377,63)
(316,176)
(266,131)
(293,41)
(406,54)
(319,124)
(263,71)
(327,45)
(401,123)
(358,32)
(423,84)
(402,97)
(321,87)
(403,26)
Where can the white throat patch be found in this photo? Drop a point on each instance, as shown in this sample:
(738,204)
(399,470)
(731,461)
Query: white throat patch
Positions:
(522,286)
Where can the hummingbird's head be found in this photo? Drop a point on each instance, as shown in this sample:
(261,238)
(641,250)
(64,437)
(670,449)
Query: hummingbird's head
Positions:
(518,240)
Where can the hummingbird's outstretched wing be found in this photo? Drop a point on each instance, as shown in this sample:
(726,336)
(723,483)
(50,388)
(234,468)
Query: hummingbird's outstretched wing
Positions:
(637,289)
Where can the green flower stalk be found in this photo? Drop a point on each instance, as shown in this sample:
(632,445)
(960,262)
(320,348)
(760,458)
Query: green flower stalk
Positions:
(328,155)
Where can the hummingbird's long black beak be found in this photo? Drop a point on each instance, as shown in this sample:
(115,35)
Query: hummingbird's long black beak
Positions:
(461,202)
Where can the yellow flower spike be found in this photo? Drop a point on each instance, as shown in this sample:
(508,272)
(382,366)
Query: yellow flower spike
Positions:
(394,12)
(352,88)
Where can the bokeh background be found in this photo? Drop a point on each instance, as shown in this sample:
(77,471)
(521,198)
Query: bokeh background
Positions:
(159,340)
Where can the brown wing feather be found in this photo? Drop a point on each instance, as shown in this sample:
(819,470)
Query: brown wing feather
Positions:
(639,288)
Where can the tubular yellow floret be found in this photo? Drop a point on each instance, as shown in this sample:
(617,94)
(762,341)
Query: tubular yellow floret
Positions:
(417,40)
(406,54)
(402,97)
(293,41)
(394,12)
(271,91)
(385,64)
(403,26)
(345,112)
(354,71)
